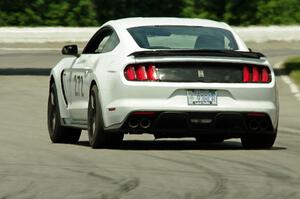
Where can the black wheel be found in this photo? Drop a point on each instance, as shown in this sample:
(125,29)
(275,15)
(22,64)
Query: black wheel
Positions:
(263,141)
(98,138)
(209,140)
(57,132)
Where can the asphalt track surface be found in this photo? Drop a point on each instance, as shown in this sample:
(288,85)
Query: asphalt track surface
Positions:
(32,167)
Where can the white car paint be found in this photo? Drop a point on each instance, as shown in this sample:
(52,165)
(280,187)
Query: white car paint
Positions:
(107,70)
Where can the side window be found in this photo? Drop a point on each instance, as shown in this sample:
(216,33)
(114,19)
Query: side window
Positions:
(103,41)
(111,43)
(102,44)
(228,45)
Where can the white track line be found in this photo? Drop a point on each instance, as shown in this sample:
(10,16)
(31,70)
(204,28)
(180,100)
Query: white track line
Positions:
(293,87)
(290,130)
(286,79)
(29,49)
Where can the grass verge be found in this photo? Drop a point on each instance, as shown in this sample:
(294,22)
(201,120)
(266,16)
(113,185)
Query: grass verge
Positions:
(292,66)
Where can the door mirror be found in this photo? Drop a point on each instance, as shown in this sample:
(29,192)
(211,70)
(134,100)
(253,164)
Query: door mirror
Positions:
(70,50)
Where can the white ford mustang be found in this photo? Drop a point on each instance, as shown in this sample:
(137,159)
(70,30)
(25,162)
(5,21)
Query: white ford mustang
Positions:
(169,77)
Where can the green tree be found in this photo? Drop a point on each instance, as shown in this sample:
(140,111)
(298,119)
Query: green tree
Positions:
(239,12)
(96,12)
(279,12)
(47,12)
(108,9)
(207,9)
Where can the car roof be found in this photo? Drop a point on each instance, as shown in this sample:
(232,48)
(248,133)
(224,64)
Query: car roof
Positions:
(121,26)
(171,21)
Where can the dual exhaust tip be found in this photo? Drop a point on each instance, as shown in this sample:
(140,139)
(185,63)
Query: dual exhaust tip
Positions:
(258,124)
(143,123)
(255,124)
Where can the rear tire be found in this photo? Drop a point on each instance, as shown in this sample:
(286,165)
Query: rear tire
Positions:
(57,132)
(98,138)
(265,141)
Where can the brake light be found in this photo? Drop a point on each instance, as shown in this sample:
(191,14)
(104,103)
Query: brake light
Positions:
(265,75)
(246,74)
(130,73)
(151,72)
(256,74)
(141,73)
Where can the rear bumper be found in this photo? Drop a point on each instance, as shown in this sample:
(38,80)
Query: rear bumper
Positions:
(193,124)
(178,103)
(172,97)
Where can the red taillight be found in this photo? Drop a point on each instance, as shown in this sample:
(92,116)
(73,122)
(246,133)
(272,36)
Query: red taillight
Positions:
(265,75)
(151,72)
(255,74)
(141,73)
(130,73)
(246,74)
(145,72)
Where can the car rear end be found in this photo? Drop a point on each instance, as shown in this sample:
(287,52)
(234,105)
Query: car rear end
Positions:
(211,90)
(170,97)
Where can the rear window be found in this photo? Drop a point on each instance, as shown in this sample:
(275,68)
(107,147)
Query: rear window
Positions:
(183,37)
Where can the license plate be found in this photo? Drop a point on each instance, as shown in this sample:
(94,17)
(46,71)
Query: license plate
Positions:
(202,97)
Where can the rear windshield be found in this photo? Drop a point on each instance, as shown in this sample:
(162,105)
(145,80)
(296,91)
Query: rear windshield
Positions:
(183,37)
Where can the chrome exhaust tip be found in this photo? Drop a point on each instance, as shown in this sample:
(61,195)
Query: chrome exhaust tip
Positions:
(145,123)
(133,123)
(253,125)
(264,124)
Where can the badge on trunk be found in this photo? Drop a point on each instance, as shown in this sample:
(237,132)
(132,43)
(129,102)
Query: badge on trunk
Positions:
(201,73)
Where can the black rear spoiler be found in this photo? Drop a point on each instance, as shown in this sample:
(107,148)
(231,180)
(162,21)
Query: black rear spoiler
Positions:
(213,53)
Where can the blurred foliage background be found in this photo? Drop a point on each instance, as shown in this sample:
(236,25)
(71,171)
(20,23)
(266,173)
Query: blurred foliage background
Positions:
(96,12)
